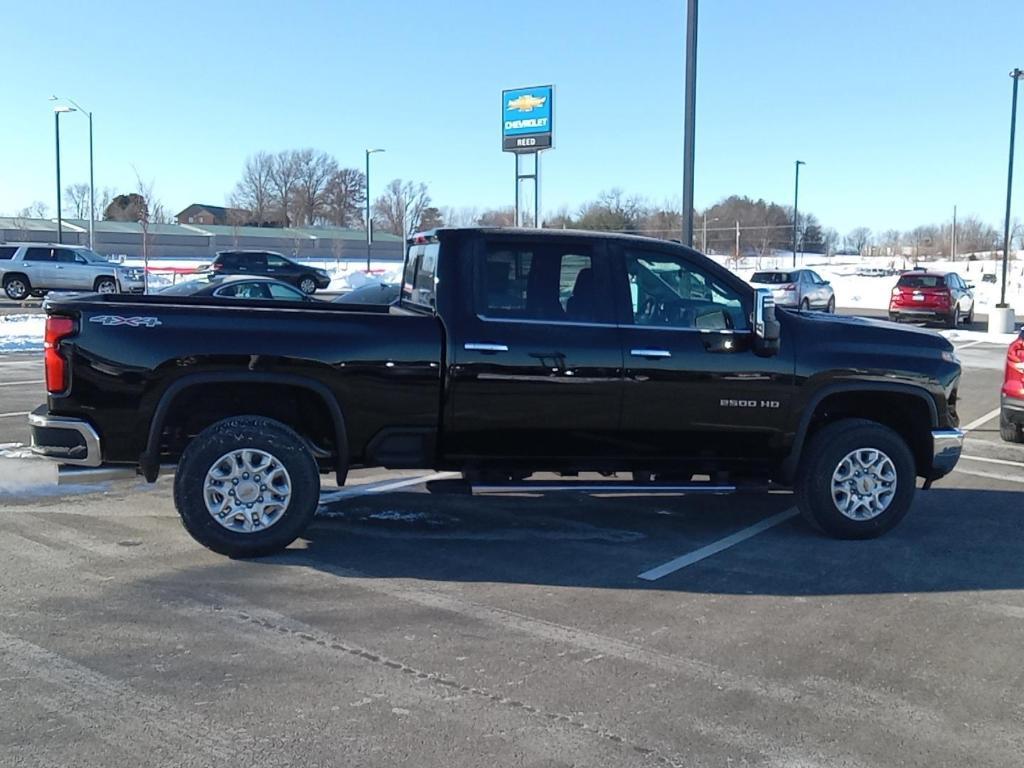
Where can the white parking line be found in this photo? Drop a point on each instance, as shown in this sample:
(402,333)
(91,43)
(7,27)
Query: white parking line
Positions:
(19,383)
(722,544)
(970,344)
(1005,462)
(989,475)
(363,490)
(981,420)
(13,413)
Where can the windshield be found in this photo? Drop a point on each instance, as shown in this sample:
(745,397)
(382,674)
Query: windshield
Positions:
(186,288)
(772,278)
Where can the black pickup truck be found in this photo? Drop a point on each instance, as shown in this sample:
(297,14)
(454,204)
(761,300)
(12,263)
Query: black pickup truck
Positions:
(510,352)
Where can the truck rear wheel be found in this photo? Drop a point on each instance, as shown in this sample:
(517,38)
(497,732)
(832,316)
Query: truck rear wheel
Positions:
(246,486)
(856,480)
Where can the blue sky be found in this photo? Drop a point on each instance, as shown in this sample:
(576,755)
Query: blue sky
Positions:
(900,109)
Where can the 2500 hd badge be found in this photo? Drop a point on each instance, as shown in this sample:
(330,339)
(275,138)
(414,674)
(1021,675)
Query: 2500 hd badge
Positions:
(727,403)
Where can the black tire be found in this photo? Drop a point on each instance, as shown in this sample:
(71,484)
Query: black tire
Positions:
(893,317)
(953,319)
(970,316)
(17,287)
(822,456)
(805,306)
(831,306)
(203,453)
(1009,431)
(307,285)
(105,285)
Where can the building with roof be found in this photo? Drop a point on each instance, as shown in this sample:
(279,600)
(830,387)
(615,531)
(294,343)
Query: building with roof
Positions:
(200,213)
(183,241)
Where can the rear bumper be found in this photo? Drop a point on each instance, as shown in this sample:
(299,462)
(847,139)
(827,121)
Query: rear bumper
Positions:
(947,445)
(64,439)
(925,312)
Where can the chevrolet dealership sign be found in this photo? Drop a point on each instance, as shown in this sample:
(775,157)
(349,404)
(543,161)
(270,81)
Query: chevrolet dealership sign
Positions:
(526,119)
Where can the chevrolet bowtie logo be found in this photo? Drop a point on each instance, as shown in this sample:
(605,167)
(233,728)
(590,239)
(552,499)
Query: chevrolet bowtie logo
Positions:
(526,102)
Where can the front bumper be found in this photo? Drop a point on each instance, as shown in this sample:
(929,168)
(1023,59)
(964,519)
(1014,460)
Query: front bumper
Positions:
(947,444)
(1012,410)
(64,439)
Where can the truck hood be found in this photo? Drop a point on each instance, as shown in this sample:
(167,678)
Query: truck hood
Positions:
(840,328)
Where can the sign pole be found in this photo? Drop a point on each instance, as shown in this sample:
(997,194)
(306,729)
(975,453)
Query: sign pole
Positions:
(527,130)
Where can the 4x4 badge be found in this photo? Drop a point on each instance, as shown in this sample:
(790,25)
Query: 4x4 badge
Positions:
(131,322)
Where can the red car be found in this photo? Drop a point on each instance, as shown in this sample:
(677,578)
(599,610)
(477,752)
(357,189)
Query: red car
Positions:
(1011,398)
(938,296)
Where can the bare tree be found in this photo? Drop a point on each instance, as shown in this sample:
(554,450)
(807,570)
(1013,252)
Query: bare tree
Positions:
(466,216)
(314,172)
(498,217)
(400,208)
(38,210)
(103,199)
(284,179)
(255,192)
(77,196)
(154,211)
(345,197)
(858,239)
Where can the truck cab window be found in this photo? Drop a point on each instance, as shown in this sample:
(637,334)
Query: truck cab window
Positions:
(667,291)
(539,283)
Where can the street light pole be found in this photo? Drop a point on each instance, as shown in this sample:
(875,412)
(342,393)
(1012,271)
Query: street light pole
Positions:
(689,120)
(92,175)
(369,228)
(796,202)
(57,111)
(1017,75)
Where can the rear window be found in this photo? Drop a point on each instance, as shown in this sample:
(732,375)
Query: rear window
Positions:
(772,278)
(419,285)
(7,252)
(921,281)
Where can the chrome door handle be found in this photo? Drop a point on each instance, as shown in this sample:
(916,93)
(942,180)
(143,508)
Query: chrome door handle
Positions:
(475,346)
(649,353)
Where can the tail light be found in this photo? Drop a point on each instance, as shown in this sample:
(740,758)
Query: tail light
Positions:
(896,292)
(216,266)
(57,328)
(1013,378)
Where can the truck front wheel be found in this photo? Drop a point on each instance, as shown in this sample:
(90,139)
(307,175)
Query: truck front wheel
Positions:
(246,486)
(857,479)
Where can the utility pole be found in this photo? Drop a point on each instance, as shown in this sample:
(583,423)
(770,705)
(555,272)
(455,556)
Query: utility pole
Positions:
(737,241)
(952,238)
(689,120)
(796,202)
(1017,75)
(56,133)
(369,221)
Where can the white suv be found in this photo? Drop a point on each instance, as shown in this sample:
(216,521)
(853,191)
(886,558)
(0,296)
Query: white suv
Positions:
(35,268)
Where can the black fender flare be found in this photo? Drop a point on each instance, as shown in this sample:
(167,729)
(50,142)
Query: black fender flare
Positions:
(792,461)
(149,461)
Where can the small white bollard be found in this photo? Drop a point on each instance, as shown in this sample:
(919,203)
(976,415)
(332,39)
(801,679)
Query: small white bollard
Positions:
(1001,320)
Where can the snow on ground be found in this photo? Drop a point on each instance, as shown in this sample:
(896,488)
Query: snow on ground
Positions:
(21,333)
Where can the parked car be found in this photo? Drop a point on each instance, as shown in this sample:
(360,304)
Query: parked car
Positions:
(988,277)
(797,289)
(1011,397)
(35,268)
(371,293)
(238,287)
(271,264)
(927,295)
(655,361)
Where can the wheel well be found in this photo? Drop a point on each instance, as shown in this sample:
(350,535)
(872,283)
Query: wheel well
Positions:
(198,406)
(906,414)
(22,275)
(96,282)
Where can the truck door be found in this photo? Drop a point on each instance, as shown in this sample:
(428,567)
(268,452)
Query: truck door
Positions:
(535,366)
(693,387)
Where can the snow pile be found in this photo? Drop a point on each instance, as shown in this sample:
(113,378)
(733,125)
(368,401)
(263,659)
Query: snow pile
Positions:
(21,333)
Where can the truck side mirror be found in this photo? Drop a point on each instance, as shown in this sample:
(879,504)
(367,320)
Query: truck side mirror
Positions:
(766,327)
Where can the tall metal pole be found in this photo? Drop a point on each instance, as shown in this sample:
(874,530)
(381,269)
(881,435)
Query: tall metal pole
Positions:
(952,238)
(368,235)
(704,238)
(92,192)
(689,121)
(1017,75)
(56,133)
(796,202)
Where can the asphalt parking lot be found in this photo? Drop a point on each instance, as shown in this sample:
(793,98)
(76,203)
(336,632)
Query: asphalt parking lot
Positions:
(530,630)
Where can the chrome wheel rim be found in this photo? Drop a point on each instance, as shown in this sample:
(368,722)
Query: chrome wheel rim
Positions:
(106,287)
(864,484)
(247,490)
(16,289)
(307,286)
